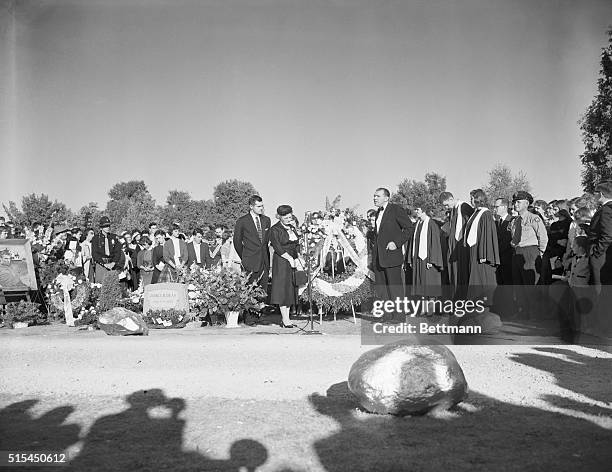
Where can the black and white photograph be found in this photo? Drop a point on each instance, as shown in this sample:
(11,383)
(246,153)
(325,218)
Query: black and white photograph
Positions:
(306,235)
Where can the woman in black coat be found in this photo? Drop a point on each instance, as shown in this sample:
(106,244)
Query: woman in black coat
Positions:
(285,242)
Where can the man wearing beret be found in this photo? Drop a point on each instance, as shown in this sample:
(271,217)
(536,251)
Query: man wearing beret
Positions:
(106,251)
(529,240)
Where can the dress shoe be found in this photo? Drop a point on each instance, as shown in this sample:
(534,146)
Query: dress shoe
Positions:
(283,325)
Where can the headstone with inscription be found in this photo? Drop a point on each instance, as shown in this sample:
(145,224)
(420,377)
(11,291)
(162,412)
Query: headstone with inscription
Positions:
(165,296)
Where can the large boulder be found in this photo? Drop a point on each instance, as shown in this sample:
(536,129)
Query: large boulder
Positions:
(121,322)
(407,377)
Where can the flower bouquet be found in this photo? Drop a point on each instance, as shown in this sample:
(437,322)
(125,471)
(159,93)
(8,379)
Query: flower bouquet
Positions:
(221,291)
(163,319)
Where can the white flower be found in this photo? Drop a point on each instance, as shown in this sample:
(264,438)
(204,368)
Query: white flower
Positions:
(191,287)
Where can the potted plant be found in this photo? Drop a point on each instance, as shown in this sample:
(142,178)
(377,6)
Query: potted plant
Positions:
(222,290)
(22,314)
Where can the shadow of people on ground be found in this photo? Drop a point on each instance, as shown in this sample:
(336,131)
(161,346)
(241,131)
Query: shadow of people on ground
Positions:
(576,372)
(147,436)
(480,434)
(20,431)
(137,439)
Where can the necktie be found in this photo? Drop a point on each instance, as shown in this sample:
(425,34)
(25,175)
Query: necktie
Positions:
(106,246)
(259,230)
(518,231)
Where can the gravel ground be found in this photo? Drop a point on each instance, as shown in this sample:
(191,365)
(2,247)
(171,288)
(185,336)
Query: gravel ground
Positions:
(261,397)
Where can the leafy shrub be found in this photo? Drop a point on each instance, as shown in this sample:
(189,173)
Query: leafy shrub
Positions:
(25,312)
(110,293)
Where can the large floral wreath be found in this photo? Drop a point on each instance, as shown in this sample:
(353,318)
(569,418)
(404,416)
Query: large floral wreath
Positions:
(78,289)
(338,254)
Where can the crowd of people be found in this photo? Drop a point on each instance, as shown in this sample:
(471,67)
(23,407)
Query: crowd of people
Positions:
(503,255)
(468,252)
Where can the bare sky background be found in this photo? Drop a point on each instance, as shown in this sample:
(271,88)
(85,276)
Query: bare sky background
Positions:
(302,98)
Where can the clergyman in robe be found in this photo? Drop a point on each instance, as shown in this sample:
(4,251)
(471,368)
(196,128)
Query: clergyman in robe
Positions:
(426,257)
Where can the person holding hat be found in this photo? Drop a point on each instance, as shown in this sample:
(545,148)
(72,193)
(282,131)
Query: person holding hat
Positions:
(529,241)
(106,250)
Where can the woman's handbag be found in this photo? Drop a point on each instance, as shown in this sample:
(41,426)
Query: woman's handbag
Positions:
(300,277)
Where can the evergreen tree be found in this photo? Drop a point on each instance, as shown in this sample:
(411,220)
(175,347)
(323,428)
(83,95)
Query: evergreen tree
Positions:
(596,126)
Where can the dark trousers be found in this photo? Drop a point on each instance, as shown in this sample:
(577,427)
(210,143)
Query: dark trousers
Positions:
(389,283)
(526,267)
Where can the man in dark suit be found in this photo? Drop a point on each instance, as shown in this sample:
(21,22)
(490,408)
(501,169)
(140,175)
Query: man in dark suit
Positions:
(601,237)
(251,241)
(106,251)
(393,227)
(504,238)
(197,250)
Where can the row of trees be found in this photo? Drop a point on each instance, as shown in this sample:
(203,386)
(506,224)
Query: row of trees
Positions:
(131,206)
(424,194)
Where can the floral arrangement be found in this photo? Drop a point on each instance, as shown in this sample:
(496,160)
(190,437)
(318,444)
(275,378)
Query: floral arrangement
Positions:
(134,300)
(328,233)
(162,319)
(49,269)
(22,312)
(220,290)
(337,251)
(87,317)
(78,288)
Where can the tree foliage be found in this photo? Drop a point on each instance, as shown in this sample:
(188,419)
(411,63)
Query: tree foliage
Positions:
(503,184)
(131,206)
(596,126)
(190,214)
(88,216)
(421,194)
(231,201)
(37,208)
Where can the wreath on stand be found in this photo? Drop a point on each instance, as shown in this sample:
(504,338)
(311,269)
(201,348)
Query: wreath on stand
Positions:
(79,295)
(338,255)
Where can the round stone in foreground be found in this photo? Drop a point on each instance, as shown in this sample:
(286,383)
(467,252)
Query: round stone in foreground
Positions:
(405,378)
(121,322)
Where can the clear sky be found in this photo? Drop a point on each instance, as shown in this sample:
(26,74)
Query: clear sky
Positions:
(302,98)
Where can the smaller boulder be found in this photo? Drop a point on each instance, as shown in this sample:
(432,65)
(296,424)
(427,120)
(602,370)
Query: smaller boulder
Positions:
(122,322)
